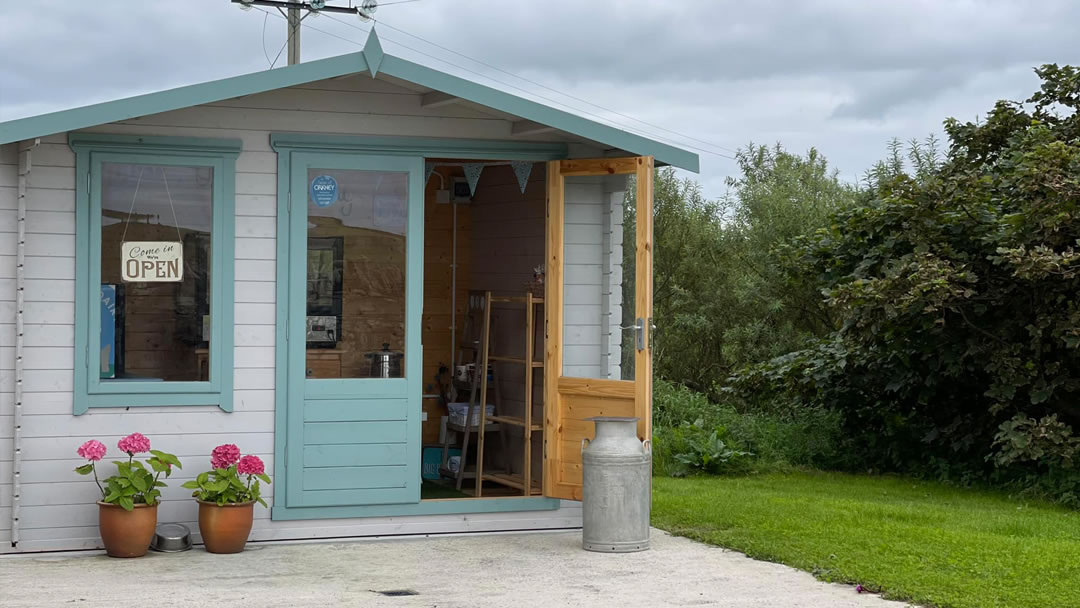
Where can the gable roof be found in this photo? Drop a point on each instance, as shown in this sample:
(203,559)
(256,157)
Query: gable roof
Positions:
(371,59)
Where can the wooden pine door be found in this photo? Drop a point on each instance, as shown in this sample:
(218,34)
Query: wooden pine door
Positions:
(598,304)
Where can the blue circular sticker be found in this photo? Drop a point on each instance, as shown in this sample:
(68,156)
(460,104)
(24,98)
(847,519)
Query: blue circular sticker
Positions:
(324,191)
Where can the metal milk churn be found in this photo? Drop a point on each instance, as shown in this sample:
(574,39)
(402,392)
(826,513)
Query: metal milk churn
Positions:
(616,488)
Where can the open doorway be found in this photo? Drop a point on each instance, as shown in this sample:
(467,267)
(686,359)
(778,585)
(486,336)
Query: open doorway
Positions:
(489,238)
(485,253)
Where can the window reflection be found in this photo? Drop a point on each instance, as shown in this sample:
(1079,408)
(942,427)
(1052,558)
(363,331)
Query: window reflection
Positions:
(356,273)
(155,320)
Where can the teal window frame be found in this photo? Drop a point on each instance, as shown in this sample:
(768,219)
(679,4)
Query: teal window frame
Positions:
(91,151)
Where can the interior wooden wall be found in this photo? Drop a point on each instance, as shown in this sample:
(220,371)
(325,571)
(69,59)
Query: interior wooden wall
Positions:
(508,243)
(438,255)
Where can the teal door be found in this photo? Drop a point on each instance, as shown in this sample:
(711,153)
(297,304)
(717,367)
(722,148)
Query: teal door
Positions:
(353,334)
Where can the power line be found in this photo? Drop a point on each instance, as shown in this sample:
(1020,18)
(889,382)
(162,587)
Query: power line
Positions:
(544,86)
(605,119)
(309,26)
(506,84)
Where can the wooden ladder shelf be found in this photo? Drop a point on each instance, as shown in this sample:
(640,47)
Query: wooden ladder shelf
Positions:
(522,481)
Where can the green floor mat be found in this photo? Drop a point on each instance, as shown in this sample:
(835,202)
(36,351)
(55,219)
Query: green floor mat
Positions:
(430,490)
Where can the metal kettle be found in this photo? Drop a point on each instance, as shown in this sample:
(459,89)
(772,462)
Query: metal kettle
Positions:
(385,363)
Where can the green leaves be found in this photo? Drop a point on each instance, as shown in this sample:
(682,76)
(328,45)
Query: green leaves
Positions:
(141,483)
(134,483)
(955,285)
(85,469)
(721,298)
(226,486)
(167,458)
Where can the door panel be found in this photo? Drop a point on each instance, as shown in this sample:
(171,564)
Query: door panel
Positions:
(598,354)
(356,226)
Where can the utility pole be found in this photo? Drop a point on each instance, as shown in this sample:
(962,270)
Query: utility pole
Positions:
(294,35)
(292,13)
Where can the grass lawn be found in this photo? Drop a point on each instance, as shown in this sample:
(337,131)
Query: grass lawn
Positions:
(917,541)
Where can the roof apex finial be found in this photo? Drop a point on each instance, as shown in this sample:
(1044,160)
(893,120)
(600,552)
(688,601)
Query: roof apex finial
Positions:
(373,53)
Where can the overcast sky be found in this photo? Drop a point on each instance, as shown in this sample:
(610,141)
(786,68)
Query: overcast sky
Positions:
(842,76)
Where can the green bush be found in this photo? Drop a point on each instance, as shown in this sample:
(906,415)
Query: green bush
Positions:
(693,434)
(955,284)
(691,448)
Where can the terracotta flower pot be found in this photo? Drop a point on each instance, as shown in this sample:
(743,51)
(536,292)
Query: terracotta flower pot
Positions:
(225,528)
(126,533)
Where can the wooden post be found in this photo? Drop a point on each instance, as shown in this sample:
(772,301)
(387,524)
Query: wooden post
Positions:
(553,310)
(294,36)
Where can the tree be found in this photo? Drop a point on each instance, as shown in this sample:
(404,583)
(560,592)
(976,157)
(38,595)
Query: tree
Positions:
(956,286)
(720,301)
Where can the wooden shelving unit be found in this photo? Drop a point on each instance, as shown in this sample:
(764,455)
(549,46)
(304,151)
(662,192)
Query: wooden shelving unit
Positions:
(522,481)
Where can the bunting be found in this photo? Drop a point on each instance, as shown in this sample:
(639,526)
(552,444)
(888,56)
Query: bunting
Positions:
(472,174)
(522,169)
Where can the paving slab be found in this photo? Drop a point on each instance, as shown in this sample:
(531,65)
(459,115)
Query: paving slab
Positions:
(505,570)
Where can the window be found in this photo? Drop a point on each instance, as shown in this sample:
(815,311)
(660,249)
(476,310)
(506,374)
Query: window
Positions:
(356,259)
(154,266)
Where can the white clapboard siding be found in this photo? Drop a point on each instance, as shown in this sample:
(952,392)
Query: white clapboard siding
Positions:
(568,516)
(58,506)
(60,402)
(611,286)
(592,310)
(258,205)
(255,248)
(44,200)
(257,292)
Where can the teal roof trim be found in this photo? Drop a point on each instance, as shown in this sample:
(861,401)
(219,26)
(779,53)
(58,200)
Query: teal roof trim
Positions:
(373,53)
(538,112)
(372,60)
(181,97)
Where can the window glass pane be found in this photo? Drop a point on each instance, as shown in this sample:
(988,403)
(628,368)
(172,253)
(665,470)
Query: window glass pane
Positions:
(155,272)
(356,273)
(598,281)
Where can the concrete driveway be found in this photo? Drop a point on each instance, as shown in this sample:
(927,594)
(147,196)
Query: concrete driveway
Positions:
(464,571)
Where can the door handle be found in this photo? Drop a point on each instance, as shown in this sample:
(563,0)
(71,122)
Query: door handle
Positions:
(639,332)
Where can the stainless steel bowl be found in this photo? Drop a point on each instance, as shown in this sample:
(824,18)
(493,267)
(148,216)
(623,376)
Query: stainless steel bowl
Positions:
(171,538)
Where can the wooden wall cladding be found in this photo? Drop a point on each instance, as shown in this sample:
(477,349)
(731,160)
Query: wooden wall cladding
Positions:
(438,257)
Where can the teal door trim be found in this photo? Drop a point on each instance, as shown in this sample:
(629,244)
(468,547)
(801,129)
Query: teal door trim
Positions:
(291,390)
(385,454)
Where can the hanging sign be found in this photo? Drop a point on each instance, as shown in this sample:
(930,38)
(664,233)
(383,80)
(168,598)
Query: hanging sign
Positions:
(324,191)
(152,261)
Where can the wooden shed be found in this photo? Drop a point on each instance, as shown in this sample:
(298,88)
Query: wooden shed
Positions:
(302,261)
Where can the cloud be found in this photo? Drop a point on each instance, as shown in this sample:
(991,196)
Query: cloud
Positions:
(843,76)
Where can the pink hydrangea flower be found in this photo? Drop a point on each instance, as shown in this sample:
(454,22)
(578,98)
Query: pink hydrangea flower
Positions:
(135,443)
(92,450)
(251,465)
(224,456)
